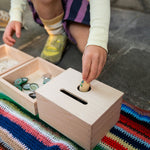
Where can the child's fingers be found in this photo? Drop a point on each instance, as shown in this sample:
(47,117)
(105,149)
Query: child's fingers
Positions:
(18,30)
(94,69)
(94,59)
(11,28)
(7,38)
(86,65)
(9,43)
(10,39)
(100,67)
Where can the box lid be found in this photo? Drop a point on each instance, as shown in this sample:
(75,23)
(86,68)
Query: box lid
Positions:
(97,101)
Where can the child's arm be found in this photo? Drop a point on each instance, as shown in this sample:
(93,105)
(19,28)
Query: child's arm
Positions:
(17,9)
(15,23)
(95,53)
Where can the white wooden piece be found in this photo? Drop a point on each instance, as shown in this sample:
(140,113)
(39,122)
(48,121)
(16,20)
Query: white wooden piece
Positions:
(84,86)
(84,123)
(33,70)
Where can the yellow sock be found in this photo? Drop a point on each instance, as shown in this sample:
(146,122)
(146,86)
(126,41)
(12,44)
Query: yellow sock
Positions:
(56,41)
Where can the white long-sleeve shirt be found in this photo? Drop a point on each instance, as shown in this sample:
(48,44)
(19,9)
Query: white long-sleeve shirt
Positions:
(99,19)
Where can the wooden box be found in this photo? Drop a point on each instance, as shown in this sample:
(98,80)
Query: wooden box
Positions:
(11,58)
(33,70)
(84,117)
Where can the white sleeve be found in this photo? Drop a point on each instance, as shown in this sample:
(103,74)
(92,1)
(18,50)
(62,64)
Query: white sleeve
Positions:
(17,9)
(99,23)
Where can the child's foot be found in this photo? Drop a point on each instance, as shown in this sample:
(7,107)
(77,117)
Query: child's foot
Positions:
(4,18)
(54,47)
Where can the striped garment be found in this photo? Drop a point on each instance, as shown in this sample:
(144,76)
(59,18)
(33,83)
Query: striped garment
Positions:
(21,130)
(74,10)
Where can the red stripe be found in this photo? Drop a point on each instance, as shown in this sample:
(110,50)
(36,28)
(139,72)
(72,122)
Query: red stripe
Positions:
(113,144)
(46,141)
(134,125)
(133,132)
(1,148)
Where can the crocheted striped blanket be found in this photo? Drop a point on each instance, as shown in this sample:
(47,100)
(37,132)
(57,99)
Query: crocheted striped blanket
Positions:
(21,130)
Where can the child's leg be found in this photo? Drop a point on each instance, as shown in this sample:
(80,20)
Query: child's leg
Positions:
(51,14)
(80,34)
(76,11)
(48,9)
(77,21)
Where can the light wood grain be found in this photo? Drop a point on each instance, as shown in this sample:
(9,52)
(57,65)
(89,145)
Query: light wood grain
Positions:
(34,71)
(19,97)
(87,123)
(14,54)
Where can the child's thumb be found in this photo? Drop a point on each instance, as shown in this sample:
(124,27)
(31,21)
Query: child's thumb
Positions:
(18,30)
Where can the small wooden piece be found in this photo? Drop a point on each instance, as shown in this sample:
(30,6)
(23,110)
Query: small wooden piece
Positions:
(34,71)
(84,117)
(11,53)
(84,86)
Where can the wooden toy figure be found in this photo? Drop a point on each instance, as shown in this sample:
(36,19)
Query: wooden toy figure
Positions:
(84,86)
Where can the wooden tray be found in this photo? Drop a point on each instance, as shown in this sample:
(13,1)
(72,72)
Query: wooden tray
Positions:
(33,70)
(10,54)
(84,117)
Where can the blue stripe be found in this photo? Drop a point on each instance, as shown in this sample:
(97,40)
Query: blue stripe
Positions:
(86,19)
(30,141)
(132,136)
(127,138)
(74,9)
(135,114)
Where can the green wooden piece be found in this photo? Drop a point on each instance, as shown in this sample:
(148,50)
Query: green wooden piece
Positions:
(18,81)
(18,87)
(24,80)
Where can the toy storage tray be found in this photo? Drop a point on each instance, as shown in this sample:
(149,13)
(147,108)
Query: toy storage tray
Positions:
(11,58)
(33,70)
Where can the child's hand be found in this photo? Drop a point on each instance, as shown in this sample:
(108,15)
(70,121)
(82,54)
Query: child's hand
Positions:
(12,27)
(93,61)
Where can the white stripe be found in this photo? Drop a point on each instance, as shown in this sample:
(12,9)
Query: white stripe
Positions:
(56,25)
(56,28)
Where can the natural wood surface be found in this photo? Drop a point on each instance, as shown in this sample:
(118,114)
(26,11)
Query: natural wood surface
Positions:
(85,123)
(33,70)
(84,117)
(14,54)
